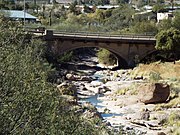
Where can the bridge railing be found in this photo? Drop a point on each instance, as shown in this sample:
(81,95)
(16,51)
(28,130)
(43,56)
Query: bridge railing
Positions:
(42,31)
(105,34)
(35,30)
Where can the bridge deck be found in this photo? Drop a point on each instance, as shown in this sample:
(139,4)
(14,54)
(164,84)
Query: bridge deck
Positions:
(102,37)
(106,38)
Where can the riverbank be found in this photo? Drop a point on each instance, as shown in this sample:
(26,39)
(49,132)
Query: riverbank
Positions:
(115,95)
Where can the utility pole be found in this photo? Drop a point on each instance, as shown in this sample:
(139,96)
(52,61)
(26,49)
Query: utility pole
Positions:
(172,4)
(50,17)
(24,13)
(35,2)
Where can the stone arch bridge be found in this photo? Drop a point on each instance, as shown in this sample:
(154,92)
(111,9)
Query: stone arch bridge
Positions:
(125,47)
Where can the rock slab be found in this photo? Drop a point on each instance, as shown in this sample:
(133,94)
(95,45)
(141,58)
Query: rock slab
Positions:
(153,93)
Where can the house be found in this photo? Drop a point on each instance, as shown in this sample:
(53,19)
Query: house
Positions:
(107,6)
(145,15)
(19,15)
(64,2)
(167,13)
(164,15)
(33,1)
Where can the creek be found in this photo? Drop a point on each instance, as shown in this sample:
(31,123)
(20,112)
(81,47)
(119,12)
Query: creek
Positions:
(95,99)
(101,87)
(100,90)
(104,83)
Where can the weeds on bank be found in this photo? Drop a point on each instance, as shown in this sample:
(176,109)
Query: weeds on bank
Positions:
(157,71)
(130,90)
(172,120)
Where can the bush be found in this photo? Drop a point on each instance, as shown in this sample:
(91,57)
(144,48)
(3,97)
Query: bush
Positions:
(145,27)
(154,76)
(67,56)
(106,57)
(28,103)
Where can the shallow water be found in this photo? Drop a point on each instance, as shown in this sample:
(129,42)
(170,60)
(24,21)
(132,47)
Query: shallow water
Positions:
(93,100)
(106,115)
(97,103)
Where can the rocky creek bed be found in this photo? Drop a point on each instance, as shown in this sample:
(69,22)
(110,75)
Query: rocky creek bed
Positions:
(118,108)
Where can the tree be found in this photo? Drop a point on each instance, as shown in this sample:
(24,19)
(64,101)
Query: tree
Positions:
(160,1)
(54,2)
(141,3)
(122,1)
(73,8)
(176,21)
(145,27)
(28,103)
(96,2)
(103,2)
(165,24)
(168,40)
(34,2)
(158,7)
(7,4)
(23,86)
(100,15)
(106,57)
(121,18)
(87,9)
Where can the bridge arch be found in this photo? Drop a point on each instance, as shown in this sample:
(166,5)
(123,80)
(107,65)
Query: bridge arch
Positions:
(59,48)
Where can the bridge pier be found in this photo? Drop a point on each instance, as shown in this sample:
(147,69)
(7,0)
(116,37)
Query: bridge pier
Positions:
(48,34)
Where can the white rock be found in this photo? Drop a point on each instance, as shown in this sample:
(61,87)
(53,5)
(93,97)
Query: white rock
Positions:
(96,83)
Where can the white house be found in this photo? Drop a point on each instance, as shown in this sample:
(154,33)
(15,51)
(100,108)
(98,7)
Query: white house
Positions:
(165,15)
(63,2)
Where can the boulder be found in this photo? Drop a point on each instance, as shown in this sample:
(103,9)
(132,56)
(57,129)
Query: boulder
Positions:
(70,100)
(92,114)
(102,90)
(144,114)
(70,77)
(66,88)
(153,93)
(86,78)
(90,111)
(96,83)
(78,77)
(161,133)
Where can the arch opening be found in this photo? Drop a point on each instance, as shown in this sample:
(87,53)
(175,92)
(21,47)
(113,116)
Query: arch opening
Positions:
(119,63)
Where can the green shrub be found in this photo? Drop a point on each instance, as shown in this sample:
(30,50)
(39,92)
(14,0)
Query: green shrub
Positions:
(145,27)
(67,56)
(28,103)
(154,76)
(106,57)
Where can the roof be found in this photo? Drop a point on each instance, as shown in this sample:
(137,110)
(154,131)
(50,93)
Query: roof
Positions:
(63,1)
(144,12)
(18,14)
(107,6)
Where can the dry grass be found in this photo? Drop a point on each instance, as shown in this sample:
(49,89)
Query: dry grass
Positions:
(165,71)
(129,90)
